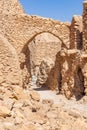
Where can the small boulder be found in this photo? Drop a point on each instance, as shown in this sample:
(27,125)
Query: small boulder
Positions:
(4,111)
(35,96)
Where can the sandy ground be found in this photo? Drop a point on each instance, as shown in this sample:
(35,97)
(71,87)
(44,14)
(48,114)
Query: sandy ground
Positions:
(80,107)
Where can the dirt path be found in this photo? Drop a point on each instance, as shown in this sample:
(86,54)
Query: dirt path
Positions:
(79,107)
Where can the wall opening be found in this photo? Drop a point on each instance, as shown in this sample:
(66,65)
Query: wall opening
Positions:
(43,50)
(59,81)
(79,40)
(79,84)
(25,67)
(42,47)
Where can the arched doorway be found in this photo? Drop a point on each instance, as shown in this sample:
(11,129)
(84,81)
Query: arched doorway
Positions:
(43,50)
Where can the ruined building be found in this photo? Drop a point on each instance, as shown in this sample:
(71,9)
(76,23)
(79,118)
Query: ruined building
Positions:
(43,51)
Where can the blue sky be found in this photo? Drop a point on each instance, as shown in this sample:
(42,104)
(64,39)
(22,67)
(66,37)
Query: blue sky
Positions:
(56,9)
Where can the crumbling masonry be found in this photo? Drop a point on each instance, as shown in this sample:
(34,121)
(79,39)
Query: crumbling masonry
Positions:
(43,52)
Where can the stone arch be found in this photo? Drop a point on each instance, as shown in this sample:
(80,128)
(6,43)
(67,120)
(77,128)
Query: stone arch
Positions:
(26,51)
(9,64)
(38,33)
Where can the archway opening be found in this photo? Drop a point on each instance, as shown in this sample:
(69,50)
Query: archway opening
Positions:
(43,50)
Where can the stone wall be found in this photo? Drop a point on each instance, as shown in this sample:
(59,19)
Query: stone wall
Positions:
(76,33)
(21,29)
(10,7)
(85,25)
(9,65)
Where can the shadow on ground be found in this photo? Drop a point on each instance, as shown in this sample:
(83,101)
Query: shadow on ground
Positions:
(42,88)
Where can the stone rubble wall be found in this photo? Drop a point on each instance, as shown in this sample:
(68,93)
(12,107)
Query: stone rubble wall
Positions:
(24,110)
(9,64)
(76,33)
(10,7)
(85,25)
(23,29)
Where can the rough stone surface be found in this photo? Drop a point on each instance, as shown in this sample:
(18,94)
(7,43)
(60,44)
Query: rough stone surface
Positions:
(76,32)
(10,7)
(40,54)
(42,51)
(9,64)
(27,113)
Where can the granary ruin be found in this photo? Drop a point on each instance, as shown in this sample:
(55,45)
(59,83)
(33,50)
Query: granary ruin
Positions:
(44,51)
